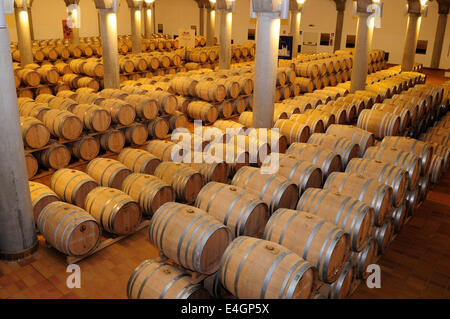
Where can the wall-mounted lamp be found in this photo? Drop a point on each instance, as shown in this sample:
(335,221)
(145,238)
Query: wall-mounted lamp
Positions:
(212,3)
(300,4)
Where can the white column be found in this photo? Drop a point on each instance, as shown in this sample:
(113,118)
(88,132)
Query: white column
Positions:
(439,40)
(24,36)
(148,23)
(136,32)
(267,40)
(17,229)
(226,20)
(210,26)
(361,54)
(108,26)
(412,32)
(296,17)
(202,20)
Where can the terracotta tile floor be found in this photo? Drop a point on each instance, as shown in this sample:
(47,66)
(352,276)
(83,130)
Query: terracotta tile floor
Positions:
(417,264)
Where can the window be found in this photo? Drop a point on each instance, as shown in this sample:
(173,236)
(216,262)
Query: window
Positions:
(251,34)
(325,39)
(422,47)
(160,28)
(350,42)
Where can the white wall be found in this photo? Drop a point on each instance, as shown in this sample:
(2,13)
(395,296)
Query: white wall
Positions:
(318,16)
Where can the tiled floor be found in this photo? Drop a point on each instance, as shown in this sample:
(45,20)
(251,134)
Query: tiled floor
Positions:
(417,265)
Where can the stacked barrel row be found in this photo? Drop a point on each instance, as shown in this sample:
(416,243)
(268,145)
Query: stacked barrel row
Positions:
(80,124)
(376,60)
(252,194)
(408,112)
(438,137)
(202,95)
(321,70)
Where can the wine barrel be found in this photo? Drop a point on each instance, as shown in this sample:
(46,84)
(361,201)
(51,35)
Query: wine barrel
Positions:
(158,128)
(399,215)
(307,236)
(72,185)
(379,123)
(55,156)
(375,194)
(348,213)
(216,171)
(115,94)
(165,150)
(155,280)
(178,120)
(94,117)
(391,175)
(436,168)
(48,75)
(341,288)
(136,134)
(210,91)
(327,160)
(86,149)
(404,114)
(246,215)
(29,77)
(113,141)
(315,124)
(41,196)
(121,111)
(358,136)
(186,181)
(146,108)
(420,149)
(139,161)
(149,191)
(184,86)
(34,133)
(383,235)
(90,98)
(407,161)
(295,132)
(180,231)
(273,189)
(340,145)
(203,111)
(63,124)
(31,164)
(273,270)
(302,173)
(364,258)
(167,103)
(27,107)
(226,108)
(108,172)
(117,212)
(69,229)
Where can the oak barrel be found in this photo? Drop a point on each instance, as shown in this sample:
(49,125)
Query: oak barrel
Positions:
(139,161)
(386,173)
(273,189)
(117,212)
(259,269)
(321,243)
(41,196)
(149,191)
(72,185)
(348,213)
(245,215)
(108,172)
(189,236)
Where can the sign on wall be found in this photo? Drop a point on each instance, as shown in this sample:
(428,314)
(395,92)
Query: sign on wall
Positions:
(285,47)
(67,30)
(186,38)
